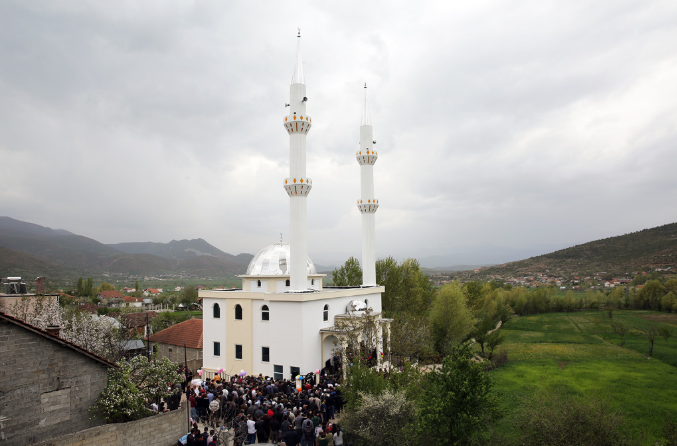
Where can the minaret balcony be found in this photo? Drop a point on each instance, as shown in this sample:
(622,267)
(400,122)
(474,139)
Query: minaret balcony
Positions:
(368,206)
(366,157)
(297,124)
(296,187)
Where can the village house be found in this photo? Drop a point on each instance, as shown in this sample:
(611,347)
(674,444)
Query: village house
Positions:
(110,294)
(130,301)
(47,385)
(181,343)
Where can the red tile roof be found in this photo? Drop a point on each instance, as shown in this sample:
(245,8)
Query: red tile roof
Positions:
(190,331)
(108,294)
(130,299)
(153,291)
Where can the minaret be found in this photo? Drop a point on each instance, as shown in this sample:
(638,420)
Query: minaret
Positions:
(367,204)
(298,185)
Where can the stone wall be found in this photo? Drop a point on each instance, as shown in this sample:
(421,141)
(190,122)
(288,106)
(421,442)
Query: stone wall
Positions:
(160,430)
(46,389)
(176,355)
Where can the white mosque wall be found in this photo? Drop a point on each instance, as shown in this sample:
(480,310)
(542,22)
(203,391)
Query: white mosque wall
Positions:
(214,330)
(282,334)
(292,332)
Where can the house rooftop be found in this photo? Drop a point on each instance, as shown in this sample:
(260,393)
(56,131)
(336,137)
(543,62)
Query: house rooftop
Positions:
(188,332)
(6,318)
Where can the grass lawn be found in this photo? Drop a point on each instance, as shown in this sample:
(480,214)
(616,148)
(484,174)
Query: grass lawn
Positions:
(579,354)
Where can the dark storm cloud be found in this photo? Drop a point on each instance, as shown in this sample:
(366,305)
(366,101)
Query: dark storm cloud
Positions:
(499,126)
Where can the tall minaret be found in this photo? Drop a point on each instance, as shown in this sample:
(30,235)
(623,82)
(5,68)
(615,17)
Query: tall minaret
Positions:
(367,204)
(298,185)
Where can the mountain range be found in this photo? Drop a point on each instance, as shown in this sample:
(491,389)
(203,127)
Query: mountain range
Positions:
(30,250)
(27,249)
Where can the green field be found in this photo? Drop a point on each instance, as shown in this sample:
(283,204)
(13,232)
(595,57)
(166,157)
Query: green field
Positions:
(579,354)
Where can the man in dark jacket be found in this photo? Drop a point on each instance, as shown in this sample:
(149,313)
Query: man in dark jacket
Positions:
(261,431)
(290,438)
(275,426)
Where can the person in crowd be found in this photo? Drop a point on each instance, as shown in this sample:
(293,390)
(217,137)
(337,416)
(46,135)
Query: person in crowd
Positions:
(251,430)
(338,435)
(290,437)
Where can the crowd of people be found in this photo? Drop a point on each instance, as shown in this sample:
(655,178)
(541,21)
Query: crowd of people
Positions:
(260,409)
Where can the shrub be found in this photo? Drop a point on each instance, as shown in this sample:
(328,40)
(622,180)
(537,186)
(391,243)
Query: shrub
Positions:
(555,420)
(384,419)
(499,359)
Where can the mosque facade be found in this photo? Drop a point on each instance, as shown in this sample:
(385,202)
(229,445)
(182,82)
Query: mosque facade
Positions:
(283,322)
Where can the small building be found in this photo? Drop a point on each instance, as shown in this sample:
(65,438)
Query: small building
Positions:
(110,294)
(47,385)
(130,301)
(181,343)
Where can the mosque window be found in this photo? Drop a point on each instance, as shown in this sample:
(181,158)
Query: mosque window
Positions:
(265,354)
(217,311)
(258,283)
(217,349)
(312,281)
(287,283)
(366,302)
(278,372)
(265,313)
(238,351)
(325,313)
(238,312)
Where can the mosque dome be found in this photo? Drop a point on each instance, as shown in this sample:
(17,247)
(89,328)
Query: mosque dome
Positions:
(274,260)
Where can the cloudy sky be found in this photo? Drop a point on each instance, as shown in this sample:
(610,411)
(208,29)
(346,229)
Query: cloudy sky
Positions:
(505,128)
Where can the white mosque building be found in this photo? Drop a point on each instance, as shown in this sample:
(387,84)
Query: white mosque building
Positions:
(283,322)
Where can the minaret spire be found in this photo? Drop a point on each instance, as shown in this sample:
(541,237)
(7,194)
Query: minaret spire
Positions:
(366,120)
(298,70)
(297,124)
(367,204)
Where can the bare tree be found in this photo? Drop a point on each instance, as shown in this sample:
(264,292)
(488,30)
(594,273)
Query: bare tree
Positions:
(651,334)
(666,333)
(622,329)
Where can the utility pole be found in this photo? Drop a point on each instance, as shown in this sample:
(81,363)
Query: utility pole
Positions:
(147,338)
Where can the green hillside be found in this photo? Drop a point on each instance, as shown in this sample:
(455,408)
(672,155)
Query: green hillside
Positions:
(649,248)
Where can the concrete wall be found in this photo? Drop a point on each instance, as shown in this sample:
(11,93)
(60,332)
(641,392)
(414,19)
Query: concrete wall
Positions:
(46,389)
(160,430)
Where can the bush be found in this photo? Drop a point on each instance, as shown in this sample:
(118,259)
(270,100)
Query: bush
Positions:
(552,419)
(499,359)
(457,403)
(384,419)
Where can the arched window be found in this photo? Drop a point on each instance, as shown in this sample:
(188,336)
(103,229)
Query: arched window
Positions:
(366,302)
(258,283)
(238,312)
(325,313)
(312,281)
(287,283)
(265,313)
(217,311)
